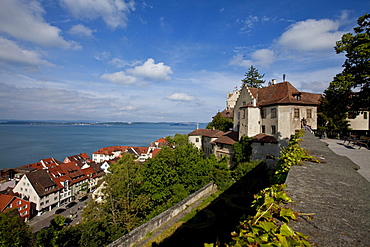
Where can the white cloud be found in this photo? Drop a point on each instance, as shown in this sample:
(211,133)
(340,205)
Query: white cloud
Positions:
(120,78)
(81,30)
(311,35)
(180,97)
(263,57)
(238,60)
(23,20)
(119,63)
(11,53)
(113,12)
(149,71)
(250,21)
(152,71)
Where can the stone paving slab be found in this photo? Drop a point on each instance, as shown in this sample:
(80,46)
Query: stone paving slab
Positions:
(337,195)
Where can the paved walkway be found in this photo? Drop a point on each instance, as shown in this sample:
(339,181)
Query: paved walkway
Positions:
(335,193)
(360,157)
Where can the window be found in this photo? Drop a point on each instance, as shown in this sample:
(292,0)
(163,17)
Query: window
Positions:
(197,139)
(238,114)
(365,115)
(273,129)
(296,112)
(273,113)
(243,116)
(263,113)
(309,113)
(19,202)
(263,129)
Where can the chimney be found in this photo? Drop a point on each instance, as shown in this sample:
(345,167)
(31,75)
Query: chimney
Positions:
(273,81)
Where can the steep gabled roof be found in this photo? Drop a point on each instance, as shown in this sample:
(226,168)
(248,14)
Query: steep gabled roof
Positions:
(283,93)
(42,182)
(5,201)
(207,132)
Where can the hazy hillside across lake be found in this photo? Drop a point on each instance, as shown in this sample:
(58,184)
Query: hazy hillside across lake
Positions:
(22,144)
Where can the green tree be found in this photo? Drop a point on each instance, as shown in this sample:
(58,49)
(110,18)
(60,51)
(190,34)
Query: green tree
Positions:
(220,123)
(243,149)
(357,64)
(124,202)
(13,231)
(336,102)
(172,175)
(253,78)
(177,140)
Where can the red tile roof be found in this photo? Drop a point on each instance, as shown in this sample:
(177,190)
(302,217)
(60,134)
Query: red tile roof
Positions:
(81,159)
(155,152)
(110,150)
(283,93)
(5,200)
(161,140)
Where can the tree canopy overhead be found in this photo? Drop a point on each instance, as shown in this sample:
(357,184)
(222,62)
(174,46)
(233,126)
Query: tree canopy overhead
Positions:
(253,78)
(357,64)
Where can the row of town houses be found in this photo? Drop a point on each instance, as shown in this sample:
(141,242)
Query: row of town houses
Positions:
(42,186)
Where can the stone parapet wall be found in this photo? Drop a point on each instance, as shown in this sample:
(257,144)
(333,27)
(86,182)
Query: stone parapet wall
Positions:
(139,233)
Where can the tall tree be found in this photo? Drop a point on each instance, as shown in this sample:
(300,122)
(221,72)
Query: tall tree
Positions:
(253,78)
(124,202)
(335,104)
(357,64)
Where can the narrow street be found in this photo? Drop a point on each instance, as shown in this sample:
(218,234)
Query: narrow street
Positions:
(43,221)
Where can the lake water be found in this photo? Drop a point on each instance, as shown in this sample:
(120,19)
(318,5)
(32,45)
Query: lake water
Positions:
(25,144)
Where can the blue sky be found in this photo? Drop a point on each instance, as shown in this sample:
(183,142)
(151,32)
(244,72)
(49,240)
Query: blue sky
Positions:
(175,61)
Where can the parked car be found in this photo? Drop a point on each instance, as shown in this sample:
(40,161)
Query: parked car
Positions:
(60,210)
(83,198)
(71,204)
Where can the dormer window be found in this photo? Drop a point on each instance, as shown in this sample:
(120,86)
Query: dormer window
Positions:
(297,96)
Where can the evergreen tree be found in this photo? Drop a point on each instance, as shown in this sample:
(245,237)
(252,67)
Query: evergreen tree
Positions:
(253,78)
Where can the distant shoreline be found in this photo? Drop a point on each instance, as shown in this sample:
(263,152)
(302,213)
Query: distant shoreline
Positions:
(26,122)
